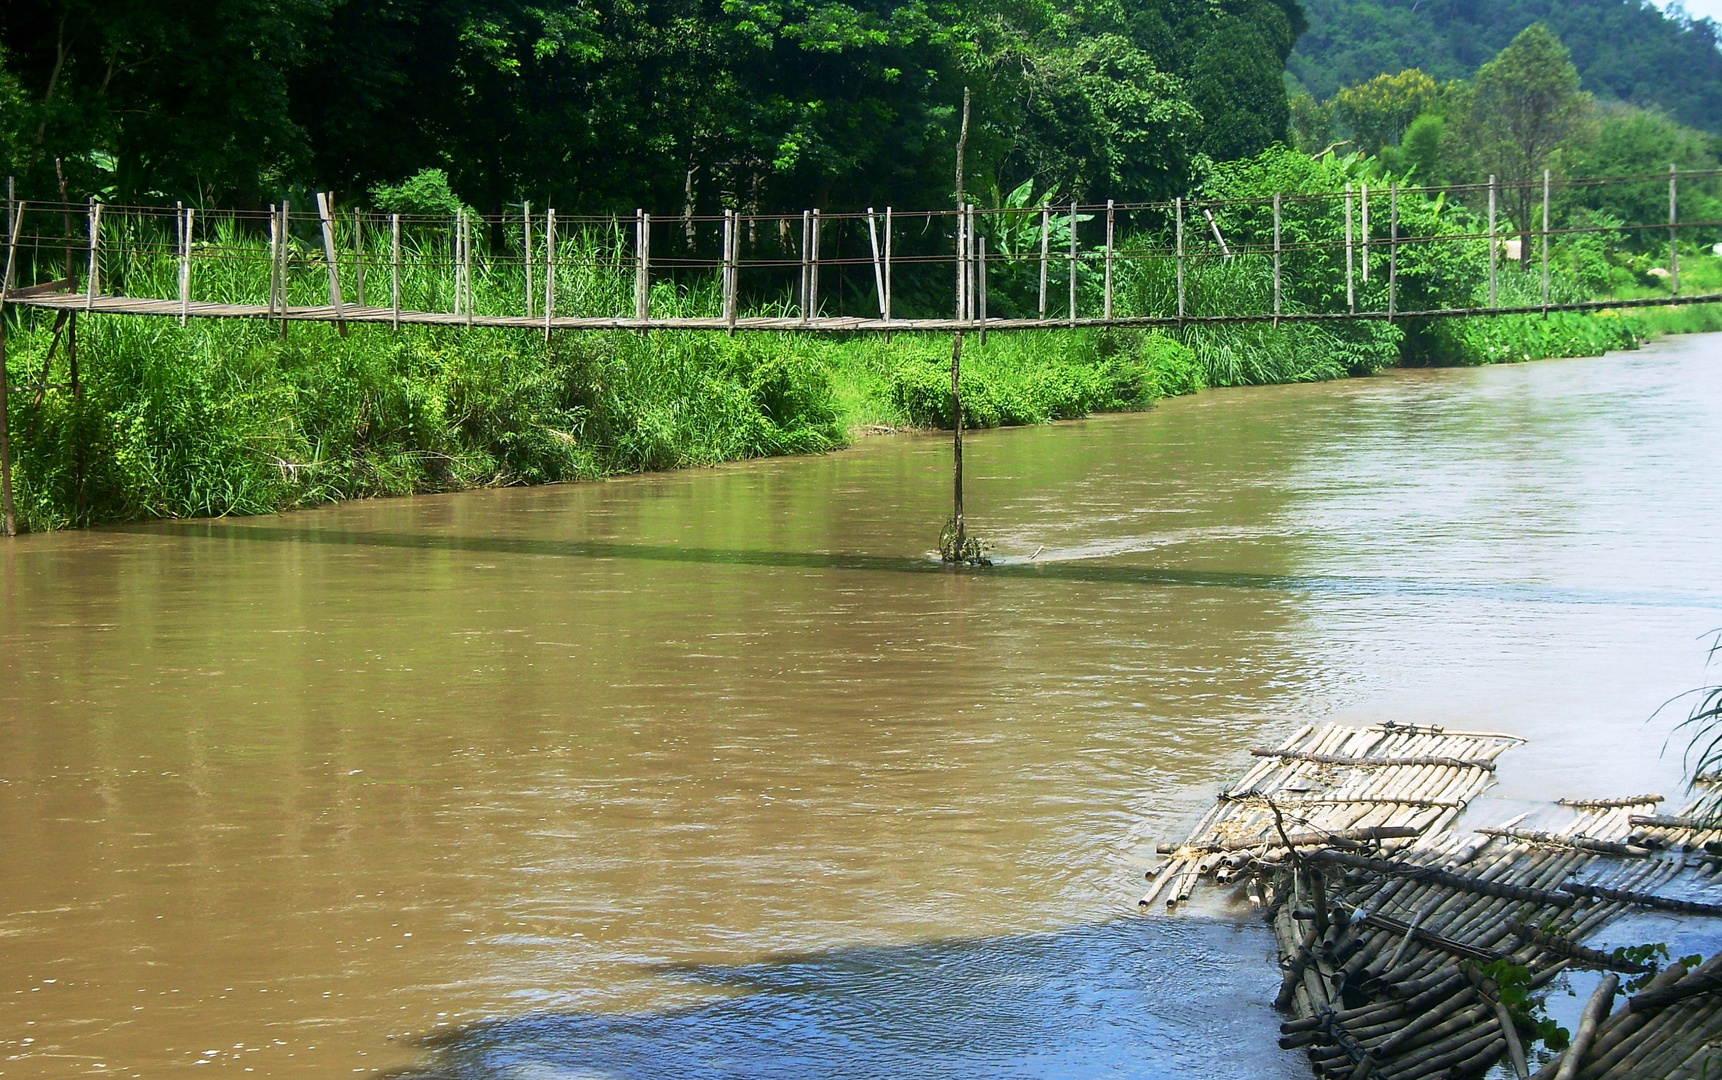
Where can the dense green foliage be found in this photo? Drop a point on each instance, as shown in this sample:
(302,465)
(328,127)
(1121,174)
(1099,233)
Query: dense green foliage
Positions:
(1625,50)
(754,104)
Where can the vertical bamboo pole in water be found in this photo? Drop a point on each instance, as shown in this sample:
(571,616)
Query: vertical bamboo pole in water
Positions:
(8,516)
(1111,220)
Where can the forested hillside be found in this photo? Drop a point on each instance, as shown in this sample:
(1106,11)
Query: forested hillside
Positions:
(612,104)
(1624,49)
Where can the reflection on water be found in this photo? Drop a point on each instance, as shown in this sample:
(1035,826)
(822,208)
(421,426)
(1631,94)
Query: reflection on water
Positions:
(497,774)
(1139,998)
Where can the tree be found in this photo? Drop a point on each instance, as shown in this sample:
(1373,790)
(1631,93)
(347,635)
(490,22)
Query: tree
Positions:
(1379,111)
(1525,107)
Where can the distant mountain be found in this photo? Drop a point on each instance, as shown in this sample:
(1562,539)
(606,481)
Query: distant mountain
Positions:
(1624,49)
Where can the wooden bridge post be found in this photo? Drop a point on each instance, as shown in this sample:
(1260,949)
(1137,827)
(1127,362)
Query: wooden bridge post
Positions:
(1045,241)
(1178,211)
(1673,227)
(274,256)
(642,266)
(8,519)
(813,269)
(1111,220)
(878,270)
(359,255)
(1363,229)
(326,212)
(395,270)
(93,279)
(182,219)
(286,297)
(1546,240)
(1392,249)
(549,270)
(526,251)
(1494,255)
(887,312)
(1350,276)
(1073,263)
(1276,259)
(981,282)
(806,271)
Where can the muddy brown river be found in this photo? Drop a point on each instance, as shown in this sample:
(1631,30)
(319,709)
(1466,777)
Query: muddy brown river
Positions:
(719,774)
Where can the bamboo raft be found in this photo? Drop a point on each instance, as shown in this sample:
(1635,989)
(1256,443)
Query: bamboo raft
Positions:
(1394,931)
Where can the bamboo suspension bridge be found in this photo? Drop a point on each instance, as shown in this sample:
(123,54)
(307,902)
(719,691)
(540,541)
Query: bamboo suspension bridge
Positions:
(1081,265)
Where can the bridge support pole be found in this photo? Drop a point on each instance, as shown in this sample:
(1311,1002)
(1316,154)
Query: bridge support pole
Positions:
(1276,259)
(957,444)
(185,220)
(887,264)
(526,251)
(1546,244)
(1073,264)
(326,212)
(1178,240)
(1350,275)
(395,269)
(806,267)
(8,518)
(981,283)
(642,267)
(1045,240)
(1494,253)
(1673,226)
(549,270)
(1363,229)
(1392,250)
(878,268)
(93,279)
(1106,303)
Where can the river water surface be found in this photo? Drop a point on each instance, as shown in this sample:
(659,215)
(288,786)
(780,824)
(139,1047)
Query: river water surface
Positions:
(718,774)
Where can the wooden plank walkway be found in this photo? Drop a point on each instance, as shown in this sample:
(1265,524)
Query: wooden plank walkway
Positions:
(824,324)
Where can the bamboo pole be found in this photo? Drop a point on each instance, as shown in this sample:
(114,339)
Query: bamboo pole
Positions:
(1545,243)
(526,251)
(1350,278)
(1045,242)
(395,268)
(1673,227)
(813,270)
(1178,207)
(281,263)
(887,264)
(326,212)
(1363,229)
(8,514)
(878,268)
(957,442)
(961,261)
(1111,217)
(1276,258)
(981,286)
(1595,1012)
(455,255)
(643,266)
(1494,255)
(466,265)
(806,268)
(359,255)
(93,279)
(734,269)
(1073,264)
(274,257)
(549,270)
(1392,250)
(184,218)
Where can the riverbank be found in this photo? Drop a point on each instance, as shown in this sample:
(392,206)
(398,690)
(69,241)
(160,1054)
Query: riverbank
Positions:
(222,418)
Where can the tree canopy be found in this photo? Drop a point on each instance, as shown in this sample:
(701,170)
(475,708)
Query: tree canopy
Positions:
(609,104)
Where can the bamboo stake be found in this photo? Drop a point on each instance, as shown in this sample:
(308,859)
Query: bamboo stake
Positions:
(887,264)
(878,269)
(8,515)
(455,255)
(813,270)
(1276,258)
(1493,253)
(395,268)
(93,280)
(549,270)
(957,444)
(1546,243)
(359,256)
(1073,264)
(1363,230)
(981,288)
(466,264)
(806,268)
(1673,226)
(1350,279)
(281,259)
(1106,304)
(1392,249)
(643,266)
(184,263)
(1178,204)
(274,257)
(1045,241)
(526,251)
(326,211)
(734,269)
